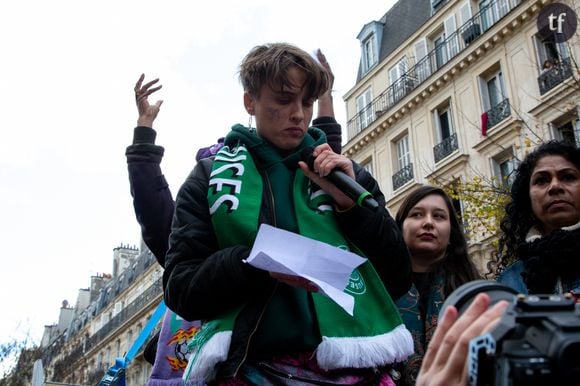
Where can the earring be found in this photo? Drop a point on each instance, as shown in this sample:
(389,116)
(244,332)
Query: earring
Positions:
(250,122)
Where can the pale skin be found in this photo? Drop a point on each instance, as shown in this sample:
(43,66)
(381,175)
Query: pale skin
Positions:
(445,361)
(147,111)
(426,231)
(288,110)
(282,118)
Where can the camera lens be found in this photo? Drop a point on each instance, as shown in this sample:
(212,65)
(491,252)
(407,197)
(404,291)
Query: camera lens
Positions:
(462,297)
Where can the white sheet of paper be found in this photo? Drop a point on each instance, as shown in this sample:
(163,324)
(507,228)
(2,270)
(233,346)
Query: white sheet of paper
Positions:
(329,267)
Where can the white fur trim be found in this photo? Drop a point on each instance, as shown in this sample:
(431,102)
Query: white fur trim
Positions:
(572,227)
(212,352)
(365,352)
(534,233)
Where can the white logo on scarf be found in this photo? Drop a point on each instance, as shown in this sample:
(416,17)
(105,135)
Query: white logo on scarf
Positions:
(218,184)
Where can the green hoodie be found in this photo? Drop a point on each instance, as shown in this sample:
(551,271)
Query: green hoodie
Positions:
(289,321)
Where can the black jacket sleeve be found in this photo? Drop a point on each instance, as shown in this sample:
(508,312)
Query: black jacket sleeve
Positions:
(332,130)
(152,198)
(378,236)
(200,280)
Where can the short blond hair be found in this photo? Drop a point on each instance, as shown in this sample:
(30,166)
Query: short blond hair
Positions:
(270,63)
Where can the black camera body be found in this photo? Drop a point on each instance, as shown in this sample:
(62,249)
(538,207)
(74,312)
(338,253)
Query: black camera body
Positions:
(536,342)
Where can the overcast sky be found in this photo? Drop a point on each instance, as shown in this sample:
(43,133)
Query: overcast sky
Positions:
(67,114)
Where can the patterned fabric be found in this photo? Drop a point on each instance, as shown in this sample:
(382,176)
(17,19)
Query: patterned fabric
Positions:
(420,316)
(303,370)
(172,353)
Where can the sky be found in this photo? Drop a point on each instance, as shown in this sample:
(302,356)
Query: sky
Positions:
(67,113)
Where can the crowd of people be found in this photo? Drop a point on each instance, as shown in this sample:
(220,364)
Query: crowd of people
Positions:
(247,326)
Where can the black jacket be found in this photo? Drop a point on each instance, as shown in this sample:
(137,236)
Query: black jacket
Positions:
(201,281)
(152,199)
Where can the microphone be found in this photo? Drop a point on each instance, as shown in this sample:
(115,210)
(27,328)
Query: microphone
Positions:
(343,182)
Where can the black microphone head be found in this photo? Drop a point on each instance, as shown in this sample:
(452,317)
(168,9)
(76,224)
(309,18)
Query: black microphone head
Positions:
(306,156)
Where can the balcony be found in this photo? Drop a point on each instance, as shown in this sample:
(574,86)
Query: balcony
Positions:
(436,59)
(403,176)
(445,147)
(498,113)
(549,79)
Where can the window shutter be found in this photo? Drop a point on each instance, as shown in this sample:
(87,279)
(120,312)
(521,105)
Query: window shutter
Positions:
(451,36)
(465,12)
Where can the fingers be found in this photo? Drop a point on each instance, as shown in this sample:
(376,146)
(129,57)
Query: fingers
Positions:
(478,327)
(142,91)
(326,160)
(449,317)
(477,307)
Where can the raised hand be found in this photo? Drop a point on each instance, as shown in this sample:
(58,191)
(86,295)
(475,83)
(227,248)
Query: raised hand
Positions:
(325,107)
(147,112)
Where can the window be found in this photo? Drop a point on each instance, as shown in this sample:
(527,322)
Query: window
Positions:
(567,129)
(368,166)
(444,132)
(100,361)
(554,62)
(398,81)
(548,50)
(422,63)
(443,122)
(369,52)
(493,92)
(493,10)
(364,109)
(496,105)
(403,154)
(403,163)
(504,166)
(440,50)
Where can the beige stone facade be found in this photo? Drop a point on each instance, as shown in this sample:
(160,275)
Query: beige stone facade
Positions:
(105,322)
(417,111)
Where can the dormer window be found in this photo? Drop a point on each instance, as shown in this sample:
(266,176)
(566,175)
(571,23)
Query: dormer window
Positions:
(369,52)
(370,41)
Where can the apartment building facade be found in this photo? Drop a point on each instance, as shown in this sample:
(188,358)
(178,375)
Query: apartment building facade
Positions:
(105,322)
(458,89)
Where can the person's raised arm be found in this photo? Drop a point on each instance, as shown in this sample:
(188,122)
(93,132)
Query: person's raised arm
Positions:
(325,119)
(325,106)
(152,198)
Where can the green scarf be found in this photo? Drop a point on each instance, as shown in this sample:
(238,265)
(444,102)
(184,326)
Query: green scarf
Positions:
(374,336)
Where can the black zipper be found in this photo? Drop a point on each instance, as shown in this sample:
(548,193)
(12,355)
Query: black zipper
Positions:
(273,213)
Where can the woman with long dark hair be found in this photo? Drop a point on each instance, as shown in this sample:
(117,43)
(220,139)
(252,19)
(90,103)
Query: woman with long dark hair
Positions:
(540,233)
(439,263)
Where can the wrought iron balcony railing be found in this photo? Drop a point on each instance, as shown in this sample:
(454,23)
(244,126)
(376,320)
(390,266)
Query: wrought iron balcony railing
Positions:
(552,77)
(498,113)
(402,176)
(445,147)
(444,51)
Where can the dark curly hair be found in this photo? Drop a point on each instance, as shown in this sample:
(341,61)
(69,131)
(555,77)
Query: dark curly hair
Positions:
(457,266)
(519,218)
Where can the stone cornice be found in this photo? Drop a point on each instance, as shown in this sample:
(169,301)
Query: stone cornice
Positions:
(513,22)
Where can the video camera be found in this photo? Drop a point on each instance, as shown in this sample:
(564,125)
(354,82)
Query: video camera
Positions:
(536,342)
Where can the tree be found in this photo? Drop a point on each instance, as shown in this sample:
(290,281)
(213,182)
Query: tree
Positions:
(22,353)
